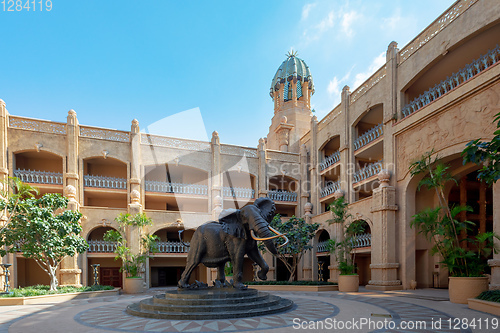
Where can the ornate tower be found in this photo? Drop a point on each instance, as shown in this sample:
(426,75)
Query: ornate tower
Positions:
(291,92)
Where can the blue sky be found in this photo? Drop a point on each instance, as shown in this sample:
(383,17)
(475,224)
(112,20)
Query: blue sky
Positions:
(113,61)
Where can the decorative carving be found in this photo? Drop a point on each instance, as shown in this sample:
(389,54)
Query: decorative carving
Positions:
(238,151)
(457,125)
(384,176)
(37,125)
(104,134)
(163,141)
(134,128)
(38,145)
(70,192)
(368,84)
(308,208)
(431,31)
(135,196)
(105,154)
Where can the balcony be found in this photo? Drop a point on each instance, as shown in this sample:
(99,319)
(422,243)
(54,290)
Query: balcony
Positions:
(101,246)
(330,189)
(363,240)
(238,192)
(172,247)
(470,70)
(177,188)
(330,160)
(39,177)
(105,182)
(369,136)
(282,196)
(368,171)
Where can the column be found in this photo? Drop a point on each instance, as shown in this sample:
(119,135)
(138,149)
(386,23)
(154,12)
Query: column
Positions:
(384,268)
(308,256)
(70,273)
(346,160)
(216,196)
(303,191)
(391,67)
(4,122)
(135,157)
(313,167)
(262,184)
(338,234)
(495,262)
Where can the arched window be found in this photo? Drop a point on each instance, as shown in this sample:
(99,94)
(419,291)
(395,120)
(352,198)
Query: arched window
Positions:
(287,93)
(299,89)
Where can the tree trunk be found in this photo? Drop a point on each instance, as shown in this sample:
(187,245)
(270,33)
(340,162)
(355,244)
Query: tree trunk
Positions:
(53,278)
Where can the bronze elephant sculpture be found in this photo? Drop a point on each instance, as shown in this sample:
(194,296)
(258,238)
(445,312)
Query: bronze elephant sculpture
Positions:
(230,238)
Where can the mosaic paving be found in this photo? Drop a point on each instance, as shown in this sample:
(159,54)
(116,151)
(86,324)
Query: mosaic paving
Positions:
(113,317)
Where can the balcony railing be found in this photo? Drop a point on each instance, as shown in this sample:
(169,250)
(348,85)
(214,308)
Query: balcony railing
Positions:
(101,246)
(282,195)
(368,171)
(470,70)
(178,188)
(369,136)
(330,189)
(105,182)
(172,247)
(322,246)
(39,177)
(330,160)
(238,192)
(363,240)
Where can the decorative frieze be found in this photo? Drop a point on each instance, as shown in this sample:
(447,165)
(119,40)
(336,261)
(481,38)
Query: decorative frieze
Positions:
(164,141)
(104,134)
(37,125)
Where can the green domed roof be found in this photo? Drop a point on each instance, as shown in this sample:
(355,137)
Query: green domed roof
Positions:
(292,67)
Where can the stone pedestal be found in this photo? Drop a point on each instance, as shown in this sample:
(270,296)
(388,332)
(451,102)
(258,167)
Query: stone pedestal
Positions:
(384,268)
(495,274)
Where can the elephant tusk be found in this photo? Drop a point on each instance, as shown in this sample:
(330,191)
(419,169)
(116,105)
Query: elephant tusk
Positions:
(263,239)
(281,235)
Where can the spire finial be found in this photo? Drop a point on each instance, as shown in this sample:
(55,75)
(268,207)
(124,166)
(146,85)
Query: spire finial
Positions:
(291,53)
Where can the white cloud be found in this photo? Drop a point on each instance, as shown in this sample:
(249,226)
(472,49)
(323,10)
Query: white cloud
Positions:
(393,22)
(374,66)
(314,32)
(326,23)
(347,22)
(306,9)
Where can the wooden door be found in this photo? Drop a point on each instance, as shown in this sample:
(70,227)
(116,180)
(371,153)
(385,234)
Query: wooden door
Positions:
(110,276)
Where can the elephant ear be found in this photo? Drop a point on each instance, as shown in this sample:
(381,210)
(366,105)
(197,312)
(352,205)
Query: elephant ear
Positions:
(267,208)
(231,223)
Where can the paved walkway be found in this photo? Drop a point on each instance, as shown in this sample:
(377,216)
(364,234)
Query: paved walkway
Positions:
(403,311)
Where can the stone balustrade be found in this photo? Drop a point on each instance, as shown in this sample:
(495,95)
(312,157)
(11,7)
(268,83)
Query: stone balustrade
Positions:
(330,160)
(178,188)
(101,246)
(363,240)
(322,246)
(368,171)
(330,189)
(172,247)
(104,182)
(279,195)
(369,136)
(238,192)
(39,177)
(470,70)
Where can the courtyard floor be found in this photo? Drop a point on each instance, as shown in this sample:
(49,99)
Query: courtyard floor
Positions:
(421,310)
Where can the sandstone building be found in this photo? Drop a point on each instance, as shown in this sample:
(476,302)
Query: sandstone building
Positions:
(438,92)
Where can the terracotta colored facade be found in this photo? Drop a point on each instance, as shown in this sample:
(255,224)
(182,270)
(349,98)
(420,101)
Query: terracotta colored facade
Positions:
(439,92)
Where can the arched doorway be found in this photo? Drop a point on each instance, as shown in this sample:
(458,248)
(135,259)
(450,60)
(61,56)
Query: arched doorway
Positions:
(363,251)
(102,252)
(323,256)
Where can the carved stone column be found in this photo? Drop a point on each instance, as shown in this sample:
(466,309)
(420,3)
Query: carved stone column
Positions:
(308,256)
(384,268)
(495,262)
(303,195)
(283,133)
(135,156)
(262,182)
(4,120)
(216,177)
(70,273)
(313,168)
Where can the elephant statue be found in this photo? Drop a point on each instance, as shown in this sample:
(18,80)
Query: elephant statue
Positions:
(230,238)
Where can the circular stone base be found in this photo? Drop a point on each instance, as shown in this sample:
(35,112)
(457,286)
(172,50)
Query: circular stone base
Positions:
(220,303)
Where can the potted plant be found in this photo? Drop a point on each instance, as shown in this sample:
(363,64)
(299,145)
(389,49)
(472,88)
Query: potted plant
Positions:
(343,249)
(465,257)
(132,263)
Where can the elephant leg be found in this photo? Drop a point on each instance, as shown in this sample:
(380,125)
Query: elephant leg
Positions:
(255,255)
(221,275)
(193,260)
(237,261)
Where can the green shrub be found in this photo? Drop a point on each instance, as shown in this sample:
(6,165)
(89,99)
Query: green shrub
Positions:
(40,290)
(292,283)
(490,295)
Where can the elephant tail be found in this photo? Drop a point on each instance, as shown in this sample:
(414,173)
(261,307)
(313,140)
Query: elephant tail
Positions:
(180,238)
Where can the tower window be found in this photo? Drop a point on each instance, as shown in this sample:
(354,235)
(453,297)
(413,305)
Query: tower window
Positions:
(287,93)
(299,89)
